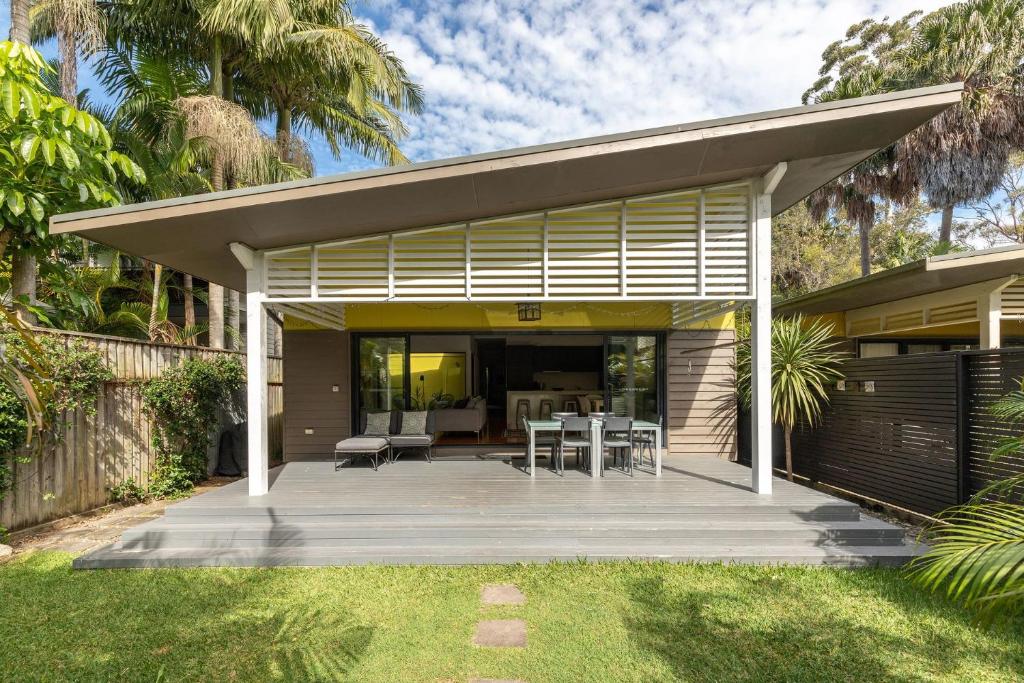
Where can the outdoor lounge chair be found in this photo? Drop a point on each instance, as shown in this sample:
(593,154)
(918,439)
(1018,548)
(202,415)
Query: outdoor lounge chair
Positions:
(415,431)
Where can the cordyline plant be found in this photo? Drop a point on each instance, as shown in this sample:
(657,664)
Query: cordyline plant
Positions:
(976,551)
(804,363)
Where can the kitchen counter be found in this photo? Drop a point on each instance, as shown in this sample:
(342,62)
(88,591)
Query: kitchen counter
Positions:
(557,398)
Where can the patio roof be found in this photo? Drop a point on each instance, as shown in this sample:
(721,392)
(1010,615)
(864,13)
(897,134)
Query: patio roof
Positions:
(928,275)
(818,142)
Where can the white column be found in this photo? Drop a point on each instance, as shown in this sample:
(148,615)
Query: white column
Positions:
(761,350)
(256,377)
(991,311)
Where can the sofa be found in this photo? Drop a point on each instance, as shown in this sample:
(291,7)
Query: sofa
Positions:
(472,418)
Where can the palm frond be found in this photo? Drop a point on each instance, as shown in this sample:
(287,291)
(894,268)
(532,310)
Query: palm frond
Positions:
(976,557)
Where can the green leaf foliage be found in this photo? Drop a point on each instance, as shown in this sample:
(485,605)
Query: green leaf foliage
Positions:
(183,404)
(48,150)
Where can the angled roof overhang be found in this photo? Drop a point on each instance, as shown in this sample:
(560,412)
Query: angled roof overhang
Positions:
(932,274)
(818,143)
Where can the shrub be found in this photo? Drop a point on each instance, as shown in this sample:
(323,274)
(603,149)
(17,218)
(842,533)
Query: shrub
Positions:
(183,405)
(128,492)
(74,375)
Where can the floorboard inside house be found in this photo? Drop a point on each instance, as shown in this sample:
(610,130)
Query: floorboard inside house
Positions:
(471,511)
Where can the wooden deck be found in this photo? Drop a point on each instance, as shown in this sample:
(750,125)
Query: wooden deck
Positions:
(488,510)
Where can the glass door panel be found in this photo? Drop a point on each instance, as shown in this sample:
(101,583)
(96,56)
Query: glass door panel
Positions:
(383,369)
(632,380)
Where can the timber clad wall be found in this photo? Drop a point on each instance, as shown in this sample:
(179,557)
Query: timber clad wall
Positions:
(701,393)
(314,362)
(989,375)
(95,454)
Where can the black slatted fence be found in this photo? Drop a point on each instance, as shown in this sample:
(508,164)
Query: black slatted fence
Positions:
(912,430)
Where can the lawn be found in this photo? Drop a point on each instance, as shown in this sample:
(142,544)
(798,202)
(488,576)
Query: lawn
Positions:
(604,622)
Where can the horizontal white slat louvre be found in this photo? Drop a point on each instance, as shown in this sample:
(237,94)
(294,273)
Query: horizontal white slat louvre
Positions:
(289,273)
(647,247)
(421,263)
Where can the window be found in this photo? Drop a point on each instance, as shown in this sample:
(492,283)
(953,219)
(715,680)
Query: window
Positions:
(879,349)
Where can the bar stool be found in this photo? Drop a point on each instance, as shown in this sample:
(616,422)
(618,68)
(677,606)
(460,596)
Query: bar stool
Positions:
(562,416)
(570,406)
(546,407)
(522,410)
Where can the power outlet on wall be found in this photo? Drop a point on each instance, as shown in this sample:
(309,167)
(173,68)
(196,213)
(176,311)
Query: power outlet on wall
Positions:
(309,431)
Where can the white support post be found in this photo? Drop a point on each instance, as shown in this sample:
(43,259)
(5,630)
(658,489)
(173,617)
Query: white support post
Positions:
(623,271)
(990,310)
(761,349)
(256,377)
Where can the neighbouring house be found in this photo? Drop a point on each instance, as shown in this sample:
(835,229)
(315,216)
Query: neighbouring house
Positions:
(590,276)
(955,302)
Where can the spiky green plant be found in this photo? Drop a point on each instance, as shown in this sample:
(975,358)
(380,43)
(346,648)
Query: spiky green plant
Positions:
(976,553)
(976,557)
(805,361)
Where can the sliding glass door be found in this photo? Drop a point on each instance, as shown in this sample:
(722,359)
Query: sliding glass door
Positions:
(383,370)
(632,376)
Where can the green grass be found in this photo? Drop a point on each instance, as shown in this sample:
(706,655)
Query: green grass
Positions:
(606,622)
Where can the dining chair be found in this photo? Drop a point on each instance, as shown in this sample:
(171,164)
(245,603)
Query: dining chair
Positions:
(575,434)
(646,440)
(617,436)
(540,439)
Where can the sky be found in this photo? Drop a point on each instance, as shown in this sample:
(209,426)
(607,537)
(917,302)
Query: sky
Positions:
(499,74)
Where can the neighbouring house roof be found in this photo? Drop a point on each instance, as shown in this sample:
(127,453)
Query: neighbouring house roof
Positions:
(818,143)
(932,274)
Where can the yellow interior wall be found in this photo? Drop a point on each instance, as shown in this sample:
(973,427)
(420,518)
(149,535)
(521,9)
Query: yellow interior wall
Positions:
(442,373)
(395,316)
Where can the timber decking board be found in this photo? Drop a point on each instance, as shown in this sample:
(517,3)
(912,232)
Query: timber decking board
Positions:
(489,510)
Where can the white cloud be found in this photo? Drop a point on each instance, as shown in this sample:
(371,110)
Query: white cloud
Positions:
(500,74)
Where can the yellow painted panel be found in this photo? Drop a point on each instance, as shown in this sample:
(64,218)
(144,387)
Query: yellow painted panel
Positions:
(396,316)
(836,320)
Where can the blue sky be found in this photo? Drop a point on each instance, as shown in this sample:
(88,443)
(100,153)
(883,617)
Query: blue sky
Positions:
(500,74)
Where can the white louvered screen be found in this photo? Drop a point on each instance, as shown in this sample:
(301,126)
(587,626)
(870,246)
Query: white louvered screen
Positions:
(726,241)
(694,244)
(1013,300)
(431,264)
(289,273)
(661,245)
(507,258)
(354,270)
(583,251)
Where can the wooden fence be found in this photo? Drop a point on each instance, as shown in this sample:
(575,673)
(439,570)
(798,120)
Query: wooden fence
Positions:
(96,453)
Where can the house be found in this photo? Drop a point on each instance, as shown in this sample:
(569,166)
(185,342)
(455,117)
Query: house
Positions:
(953,302)
(595,273)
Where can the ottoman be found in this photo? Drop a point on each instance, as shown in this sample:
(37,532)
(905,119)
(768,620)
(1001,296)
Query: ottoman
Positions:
(369,446)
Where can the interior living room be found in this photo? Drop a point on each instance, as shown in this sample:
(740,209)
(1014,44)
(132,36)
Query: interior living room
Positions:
(479,386)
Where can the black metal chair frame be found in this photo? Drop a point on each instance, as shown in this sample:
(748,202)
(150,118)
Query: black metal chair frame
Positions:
(575,426)
(617,436)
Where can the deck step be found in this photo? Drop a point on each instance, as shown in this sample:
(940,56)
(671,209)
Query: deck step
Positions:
(161,534)
(361,513)
(842,556)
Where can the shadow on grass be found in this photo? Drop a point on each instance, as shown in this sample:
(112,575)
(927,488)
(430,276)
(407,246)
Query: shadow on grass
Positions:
(774,631)
(202,624)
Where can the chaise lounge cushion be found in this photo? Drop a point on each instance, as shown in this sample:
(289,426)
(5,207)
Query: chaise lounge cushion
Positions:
(361,444)
(411,440)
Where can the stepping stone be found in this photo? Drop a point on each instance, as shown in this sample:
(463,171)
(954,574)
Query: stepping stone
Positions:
(502,594)
(501,633)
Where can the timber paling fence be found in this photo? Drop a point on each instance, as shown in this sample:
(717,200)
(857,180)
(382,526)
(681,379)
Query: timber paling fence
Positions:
(94,454)
(914,430)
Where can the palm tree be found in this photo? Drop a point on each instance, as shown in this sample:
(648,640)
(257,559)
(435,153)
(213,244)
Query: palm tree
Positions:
(961,154)
(77,25)
(23,264)
(804,364)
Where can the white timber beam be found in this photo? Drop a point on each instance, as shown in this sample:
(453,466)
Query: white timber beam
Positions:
(318,314)
(773,177)
(990,315)
(255,367)
(761,349)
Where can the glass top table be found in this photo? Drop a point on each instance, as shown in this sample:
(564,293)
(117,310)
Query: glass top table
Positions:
(535,427)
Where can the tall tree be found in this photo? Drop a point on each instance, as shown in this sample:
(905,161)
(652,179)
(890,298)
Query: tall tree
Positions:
(999,218)
(20,26)
(78,25)
(959,155)
(23,263)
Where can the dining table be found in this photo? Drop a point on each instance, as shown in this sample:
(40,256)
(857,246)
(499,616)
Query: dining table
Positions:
(535,427)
